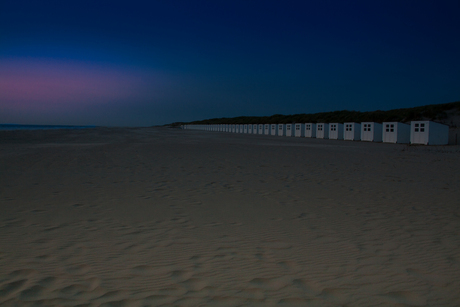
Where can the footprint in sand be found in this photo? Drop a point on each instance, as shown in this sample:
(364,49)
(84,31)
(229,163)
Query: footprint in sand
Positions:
(271,284)
(405,297)
(78,269)
(32,293)
(12,287)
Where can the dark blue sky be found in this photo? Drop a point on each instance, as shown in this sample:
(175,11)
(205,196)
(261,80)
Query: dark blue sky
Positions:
(137,63)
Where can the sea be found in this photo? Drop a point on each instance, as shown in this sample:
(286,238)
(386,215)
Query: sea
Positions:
(40,127)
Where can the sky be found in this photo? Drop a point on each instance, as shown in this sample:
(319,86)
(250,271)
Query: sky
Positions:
(144,63)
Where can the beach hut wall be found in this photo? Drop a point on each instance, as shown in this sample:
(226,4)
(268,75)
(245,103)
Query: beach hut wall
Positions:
(428,133)
(352,131)
(395,132)
(310,130)
(371,132)
(299,130)
(273,129)
(267,129)
(281,129)
(322,131)
(289,130)
(336,131)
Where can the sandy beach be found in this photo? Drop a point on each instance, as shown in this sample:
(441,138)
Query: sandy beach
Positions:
(170,217)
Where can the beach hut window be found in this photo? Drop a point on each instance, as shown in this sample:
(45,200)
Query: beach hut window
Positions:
(416,129)
(422,129)
(416,125)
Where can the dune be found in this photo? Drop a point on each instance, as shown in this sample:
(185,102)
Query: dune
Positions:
(169,217)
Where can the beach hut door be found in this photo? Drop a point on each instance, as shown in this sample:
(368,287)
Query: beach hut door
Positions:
(419,133)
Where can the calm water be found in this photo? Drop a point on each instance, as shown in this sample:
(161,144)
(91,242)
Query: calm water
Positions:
(39,127)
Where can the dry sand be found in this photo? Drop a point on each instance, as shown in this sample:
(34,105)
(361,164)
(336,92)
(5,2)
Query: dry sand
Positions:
(167,217)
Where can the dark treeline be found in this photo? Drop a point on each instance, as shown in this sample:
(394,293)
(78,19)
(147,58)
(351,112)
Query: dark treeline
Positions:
(435,112)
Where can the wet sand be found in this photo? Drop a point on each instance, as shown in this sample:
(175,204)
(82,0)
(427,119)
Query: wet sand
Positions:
(169,217)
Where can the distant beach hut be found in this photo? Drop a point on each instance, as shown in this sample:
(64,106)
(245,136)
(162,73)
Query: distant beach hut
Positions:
(352,132)
(245,128)
(241,128)
(273,129)
(289,130)
(322,131)
(336,131)
(281,129)
(254,129)
(267,129)
(371,132)
(261,129)
(299,130)
(310,130)
(394,132)
(233,128)
(249,128)
(428,133)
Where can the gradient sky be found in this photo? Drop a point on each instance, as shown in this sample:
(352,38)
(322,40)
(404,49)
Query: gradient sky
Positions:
(143,63)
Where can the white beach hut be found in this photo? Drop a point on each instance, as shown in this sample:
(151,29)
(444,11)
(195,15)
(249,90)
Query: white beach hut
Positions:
(394,132)
(245,128)
(261,129)
(241,128)
(352,132)
(267,129)
(428,133)
(336,131)
(299,130)
(310,130)
(322,131)
(273,129)
(371,132)
(233,128)
(249,128)
(254,129)
(281,129)
(289,130)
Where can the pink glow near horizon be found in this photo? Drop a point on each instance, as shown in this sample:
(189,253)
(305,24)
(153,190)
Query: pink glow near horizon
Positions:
(43,84)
